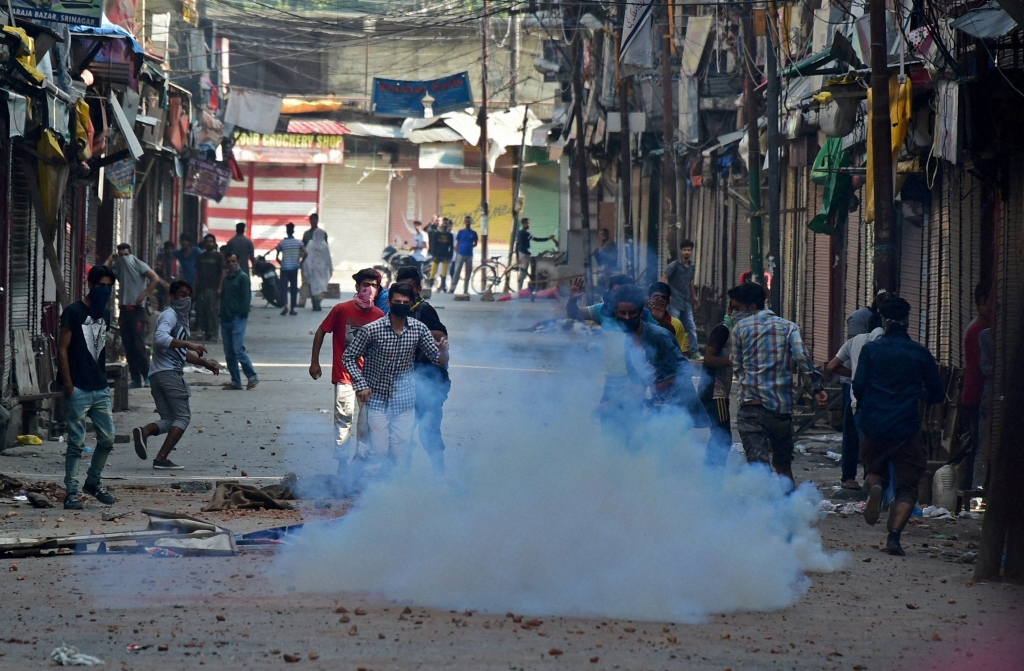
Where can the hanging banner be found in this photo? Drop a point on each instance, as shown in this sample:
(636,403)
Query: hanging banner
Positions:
(440,155)
(633,23)
(80,12)
(121,177)
(207,179)
(403,98)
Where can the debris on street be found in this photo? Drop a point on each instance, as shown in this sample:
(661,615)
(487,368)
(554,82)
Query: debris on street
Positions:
(67,655)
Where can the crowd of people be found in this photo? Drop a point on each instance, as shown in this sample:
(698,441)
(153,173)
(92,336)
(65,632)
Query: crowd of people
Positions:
(391,355)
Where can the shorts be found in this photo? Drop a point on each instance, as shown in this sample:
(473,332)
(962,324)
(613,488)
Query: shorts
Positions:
(906,456)
(766,434)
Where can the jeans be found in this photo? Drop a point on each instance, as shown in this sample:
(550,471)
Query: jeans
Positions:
(133,337)
(851,438)
(233,333)
(432,387)
(766,436)
(462,260)
(207,311)
(94,405)
(685,314)
(524,268)
(390,438)
(289,284)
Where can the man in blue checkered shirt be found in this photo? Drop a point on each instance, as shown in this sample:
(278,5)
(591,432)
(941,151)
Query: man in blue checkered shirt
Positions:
(767,350)
(385,385)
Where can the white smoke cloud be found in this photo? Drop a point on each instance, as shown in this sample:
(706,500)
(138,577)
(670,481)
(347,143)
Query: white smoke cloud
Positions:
(543,518)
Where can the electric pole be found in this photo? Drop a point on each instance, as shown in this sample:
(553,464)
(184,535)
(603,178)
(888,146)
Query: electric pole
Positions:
(753,146)
(580,167)
(485,181)
(668,129)
(774,186)
(513,94)
(881,150)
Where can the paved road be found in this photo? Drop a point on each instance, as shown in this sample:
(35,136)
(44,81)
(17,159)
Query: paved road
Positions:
(878,612)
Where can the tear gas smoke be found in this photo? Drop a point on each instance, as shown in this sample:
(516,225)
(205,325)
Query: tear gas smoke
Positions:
(543,517)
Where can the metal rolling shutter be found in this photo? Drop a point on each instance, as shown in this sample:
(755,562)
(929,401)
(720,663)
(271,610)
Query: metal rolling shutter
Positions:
(822,246)
(913,266)
(24,287)
(354,212)
(852,270)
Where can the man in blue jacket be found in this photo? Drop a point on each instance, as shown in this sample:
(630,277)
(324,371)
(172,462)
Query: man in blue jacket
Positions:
(894,374)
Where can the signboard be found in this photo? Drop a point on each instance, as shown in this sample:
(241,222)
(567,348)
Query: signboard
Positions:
(404,98)
(440,155)
(292,148)
(121,177)
(81,12)
(207,179)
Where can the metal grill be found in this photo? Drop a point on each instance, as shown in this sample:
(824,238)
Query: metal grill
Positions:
(24,284)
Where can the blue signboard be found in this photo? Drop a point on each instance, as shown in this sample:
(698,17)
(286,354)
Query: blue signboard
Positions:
(404,98)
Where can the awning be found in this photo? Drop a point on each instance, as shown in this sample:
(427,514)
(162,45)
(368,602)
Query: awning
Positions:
(317,127)
(986,23)
(107,29)
(365,129)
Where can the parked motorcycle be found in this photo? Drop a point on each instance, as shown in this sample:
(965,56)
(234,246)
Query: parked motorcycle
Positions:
(395,260)
(271,284)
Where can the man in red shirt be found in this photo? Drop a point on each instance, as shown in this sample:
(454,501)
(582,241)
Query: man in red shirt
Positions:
(974,381)
(342,321)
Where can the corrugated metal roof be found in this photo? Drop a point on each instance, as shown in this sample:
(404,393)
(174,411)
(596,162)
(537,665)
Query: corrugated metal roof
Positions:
(364,129)
(435,134)
(316,127)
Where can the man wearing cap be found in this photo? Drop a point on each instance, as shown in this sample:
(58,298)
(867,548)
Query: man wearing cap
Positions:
(343,321)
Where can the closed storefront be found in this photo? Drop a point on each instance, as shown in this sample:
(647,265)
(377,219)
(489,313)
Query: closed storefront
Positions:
(354,212)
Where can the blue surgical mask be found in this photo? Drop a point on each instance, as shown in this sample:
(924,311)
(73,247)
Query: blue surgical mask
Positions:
(99,296)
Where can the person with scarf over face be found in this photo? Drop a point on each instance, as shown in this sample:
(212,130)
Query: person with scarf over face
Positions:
(318,267)
(171,351)
(343,321)
(81,355)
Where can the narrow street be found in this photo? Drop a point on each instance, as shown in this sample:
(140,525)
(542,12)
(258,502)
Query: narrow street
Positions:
(520,399)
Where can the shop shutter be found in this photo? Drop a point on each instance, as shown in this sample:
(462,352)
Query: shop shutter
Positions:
(354,212)
(913,266)
(741,220)
(280,194)
(24,285)
(5,339)
(852,270)
(822,282)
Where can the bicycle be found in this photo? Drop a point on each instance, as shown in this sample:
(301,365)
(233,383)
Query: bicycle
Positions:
(491,276)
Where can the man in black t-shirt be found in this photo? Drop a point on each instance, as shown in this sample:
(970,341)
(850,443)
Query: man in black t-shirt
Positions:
(432,383)
(210,271)
(523,254)
(81,355)
(442,247)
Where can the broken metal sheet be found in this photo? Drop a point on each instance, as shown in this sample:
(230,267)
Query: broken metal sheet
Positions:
(986,23)
(698,29)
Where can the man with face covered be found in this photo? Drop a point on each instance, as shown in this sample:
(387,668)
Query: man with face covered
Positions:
(209,277)
(342,322)
(81,354)
(386,385)
(236,297)
(171,351)
(137,281)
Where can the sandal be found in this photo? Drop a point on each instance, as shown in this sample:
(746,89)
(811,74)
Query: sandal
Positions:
(231,387)
(851,484)
(252,385)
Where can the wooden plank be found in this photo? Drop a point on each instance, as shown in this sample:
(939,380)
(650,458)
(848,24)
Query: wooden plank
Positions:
(25,363)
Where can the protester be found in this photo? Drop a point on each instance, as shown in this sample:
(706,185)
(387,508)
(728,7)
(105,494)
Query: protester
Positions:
(606,255)
(290,253)
(766,352)
(81,357)
(342,322)
(164,269)
(523,254)
(442,245)
(419,242)
(865,319)
(894,374)
(307,236)
(715,385)
(654,363)
(137,281)
(242,247)
(171,350)
(235,301)
(613,405)
(318,267)
(386,386)
(844,364)
(659,295)
(974,386)
(432,382)
(679,275)
(187,257)
(465,241)
(209,277)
